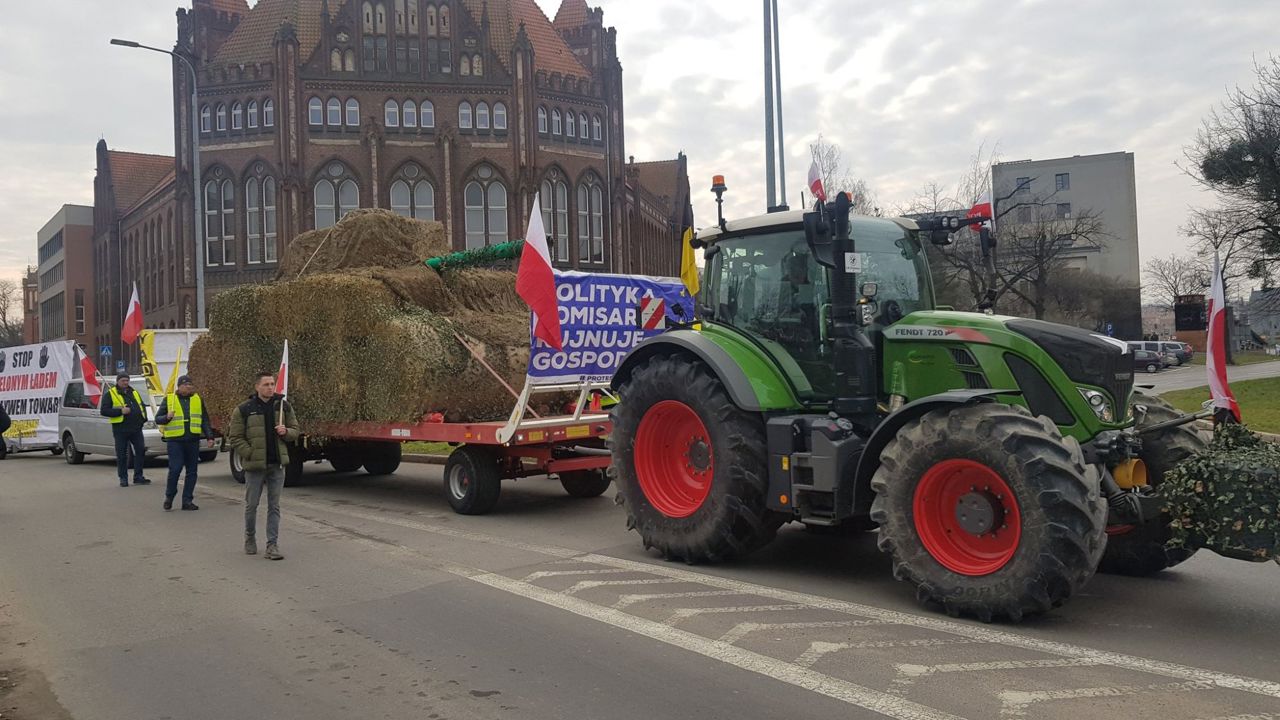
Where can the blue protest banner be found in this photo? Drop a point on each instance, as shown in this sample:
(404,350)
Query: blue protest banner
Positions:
(602,318)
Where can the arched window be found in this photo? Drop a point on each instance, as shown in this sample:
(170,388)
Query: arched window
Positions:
(335,195)
(253,114)
(367,13)
(557,122)
(349,60)
(326,202)
(482,116)
(268,113)
(410,110)
(413,17)
(335,60)
(410,198)
(582,126)
(433,26)
(464,65)
(380,19)
(595,128)
(391,114)
(221,116)
(271,253)
(486,209)
(499,116)
(477,66)
(555,215)
(253,221)
(542,120)
(237,116)
(464,115)
(315,112)
(348,197)
(427,118)
(335,112)
(206,119)
(219,221)
(590,221)
(570,125)
(400,19)
(353,112)
(444,21)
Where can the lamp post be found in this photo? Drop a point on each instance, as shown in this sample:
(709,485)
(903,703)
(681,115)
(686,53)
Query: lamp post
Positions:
(197,229)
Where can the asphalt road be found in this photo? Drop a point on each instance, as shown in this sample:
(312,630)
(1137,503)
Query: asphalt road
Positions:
(390,606)
(1192,376)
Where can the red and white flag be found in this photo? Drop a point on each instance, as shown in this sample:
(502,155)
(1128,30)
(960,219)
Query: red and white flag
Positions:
(981,208)
(815,182)
(282,378)
(1216,358)
(132,319)
(536,281)
(89,372)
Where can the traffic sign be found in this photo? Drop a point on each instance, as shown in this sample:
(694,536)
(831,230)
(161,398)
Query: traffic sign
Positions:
(105,351)
(119,366)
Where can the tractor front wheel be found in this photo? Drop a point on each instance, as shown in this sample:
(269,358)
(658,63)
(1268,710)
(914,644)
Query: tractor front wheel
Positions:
(989,511)
(690,465)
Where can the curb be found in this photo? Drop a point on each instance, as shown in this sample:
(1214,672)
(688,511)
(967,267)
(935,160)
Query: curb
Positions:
(425,459)
(1207,426)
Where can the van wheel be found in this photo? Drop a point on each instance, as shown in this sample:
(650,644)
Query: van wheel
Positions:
(237,466)
(69,452)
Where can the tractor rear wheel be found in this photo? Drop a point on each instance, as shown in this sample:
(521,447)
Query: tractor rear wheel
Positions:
(691,467)
(1140,550)
(989,511)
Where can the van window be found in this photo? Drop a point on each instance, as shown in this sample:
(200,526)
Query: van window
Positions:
(74,396)
(1153,347)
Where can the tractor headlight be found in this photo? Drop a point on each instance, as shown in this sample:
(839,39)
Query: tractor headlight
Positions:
(1099,403)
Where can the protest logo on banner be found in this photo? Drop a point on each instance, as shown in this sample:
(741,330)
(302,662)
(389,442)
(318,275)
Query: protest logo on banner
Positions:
(602,319)
(32,380)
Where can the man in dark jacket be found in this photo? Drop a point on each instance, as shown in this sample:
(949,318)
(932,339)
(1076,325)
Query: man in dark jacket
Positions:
(261,429)
(184,422)
(5,423)
(123,406)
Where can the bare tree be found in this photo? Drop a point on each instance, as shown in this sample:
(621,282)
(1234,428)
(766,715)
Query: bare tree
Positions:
(1167,278)
(1037,254)
(837,177)
(1227,234)
(10,313)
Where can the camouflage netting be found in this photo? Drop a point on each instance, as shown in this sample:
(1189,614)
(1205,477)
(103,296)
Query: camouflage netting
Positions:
(1227,498)
(373,333)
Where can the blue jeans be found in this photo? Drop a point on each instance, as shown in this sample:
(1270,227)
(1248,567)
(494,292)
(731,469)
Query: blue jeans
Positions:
(183,453)
(123,442)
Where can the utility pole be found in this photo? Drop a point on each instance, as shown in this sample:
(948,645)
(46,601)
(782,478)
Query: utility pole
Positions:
(777,81)
(769,174)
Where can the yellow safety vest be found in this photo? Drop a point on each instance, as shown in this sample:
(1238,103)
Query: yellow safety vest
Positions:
(175,428)
(117,401)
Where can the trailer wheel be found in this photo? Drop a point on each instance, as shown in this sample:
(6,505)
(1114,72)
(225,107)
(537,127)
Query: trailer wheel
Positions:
(585,483)
(472,480)
(989,511)
(208,456)
(70,453)
(382,458)
(1140,550)
(293,471)
(237,466)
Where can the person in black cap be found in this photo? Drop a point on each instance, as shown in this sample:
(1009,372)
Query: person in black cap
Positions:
(123,406)
(184,422)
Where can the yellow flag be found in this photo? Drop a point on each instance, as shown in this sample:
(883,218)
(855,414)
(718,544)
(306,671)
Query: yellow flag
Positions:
(173,376)
(688,268)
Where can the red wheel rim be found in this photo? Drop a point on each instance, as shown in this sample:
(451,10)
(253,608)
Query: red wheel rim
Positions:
(673,459)
(967,517)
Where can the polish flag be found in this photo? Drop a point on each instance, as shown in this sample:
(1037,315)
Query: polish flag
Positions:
(981,208)
(132,319)
(89,372)
(1216,358)
(536,281)
(282,378)
(815,182)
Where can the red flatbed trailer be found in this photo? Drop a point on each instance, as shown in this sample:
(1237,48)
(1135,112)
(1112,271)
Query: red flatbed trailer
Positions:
(571,446)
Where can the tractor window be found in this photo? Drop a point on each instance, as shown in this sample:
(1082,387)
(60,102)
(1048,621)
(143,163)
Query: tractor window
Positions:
(891,258)
(771,288)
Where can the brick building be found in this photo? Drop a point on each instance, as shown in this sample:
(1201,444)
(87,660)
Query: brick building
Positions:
(65,281)
(31,307)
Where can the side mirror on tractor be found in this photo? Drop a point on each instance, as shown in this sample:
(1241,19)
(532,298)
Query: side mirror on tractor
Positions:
(817,233)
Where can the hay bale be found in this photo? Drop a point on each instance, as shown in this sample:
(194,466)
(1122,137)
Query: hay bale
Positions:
(485,290)
(364,239)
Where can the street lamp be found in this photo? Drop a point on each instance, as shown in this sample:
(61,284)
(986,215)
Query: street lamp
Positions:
(197,198)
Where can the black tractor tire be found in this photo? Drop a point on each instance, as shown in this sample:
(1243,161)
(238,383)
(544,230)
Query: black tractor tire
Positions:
(55,451)
(1141,551)
(472,480)
(731,519)
(297,462)
(208,456)
(345,463)
(585,483)
(69,452)
(382,458)
(237,467)
(1056,495)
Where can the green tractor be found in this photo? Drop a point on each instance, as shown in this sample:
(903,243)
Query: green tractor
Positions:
(1003,460)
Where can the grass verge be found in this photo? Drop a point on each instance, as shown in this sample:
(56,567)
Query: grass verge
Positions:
(1259,402)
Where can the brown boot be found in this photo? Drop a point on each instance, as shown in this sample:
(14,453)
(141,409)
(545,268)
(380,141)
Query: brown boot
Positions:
(250,545)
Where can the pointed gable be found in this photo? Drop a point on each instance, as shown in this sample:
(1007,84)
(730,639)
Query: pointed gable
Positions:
(550,52)
(134,176)
(572,14)
(253,38)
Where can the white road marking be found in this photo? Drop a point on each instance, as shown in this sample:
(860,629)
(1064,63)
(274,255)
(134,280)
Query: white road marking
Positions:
(819,649)
(741,630)
(919,671)
(588,584)
(627,601)
(1248,716)
(1015,702)
(557,573)
(686,613)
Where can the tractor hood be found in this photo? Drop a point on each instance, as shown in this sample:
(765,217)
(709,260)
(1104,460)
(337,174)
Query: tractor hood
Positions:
(1087,358)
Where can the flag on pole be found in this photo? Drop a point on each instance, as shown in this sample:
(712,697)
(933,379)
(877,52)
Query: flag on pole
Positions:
(981,208)
(172,385)
(1216,358)
(89,373)
(815,182)
(688,263)
(282,379)
(536,281)
(132,319)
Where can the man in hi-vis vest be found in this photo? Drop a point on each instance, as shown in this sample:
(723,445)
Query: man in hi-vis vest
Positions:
(184,423)
(122,405)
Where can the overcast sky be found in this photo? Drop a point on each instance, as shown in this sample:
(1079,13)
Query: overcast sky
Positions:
(908,89)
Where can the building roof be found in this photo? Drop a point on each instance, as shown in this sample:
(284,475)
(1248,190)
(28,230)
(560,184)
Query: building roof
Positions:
(231,7)
(134,176)
(550,52)
(161,186)
(661,177)
(253,38)
(572,14)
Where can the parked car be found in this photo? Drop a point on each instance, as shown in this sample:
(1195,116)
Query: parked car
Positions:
(1180,351)
(1147,360)
(83,431)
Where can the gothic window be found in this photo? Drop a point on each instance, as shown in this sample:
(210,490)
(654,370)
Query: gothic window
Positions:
(570,125)
(464,115)
(591,221)
(391,114)
(444,21)
(219,222)
(415,56)
(542,120)
(221,116)
(595,128)
(237,116)
(482,116)
(486,209)
(427,116)
(582,126)
(335,195)
(499,116)
(253,114)
(464,65)
(432,25)
(413,17)
(477,66)
(446,56)
(335,60)
(410,110)
(413,195)
(349,60)
(315,112)
(253,218)
(433,55)
(271,252)
(555,215)
(400,18)
(353,112)
(206,119)
(557,122)
(335,112)
(380,19)
(268,113)
(367,11)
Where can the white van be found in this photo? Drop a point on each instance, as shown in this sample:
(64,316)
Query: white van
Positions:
(83,430)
